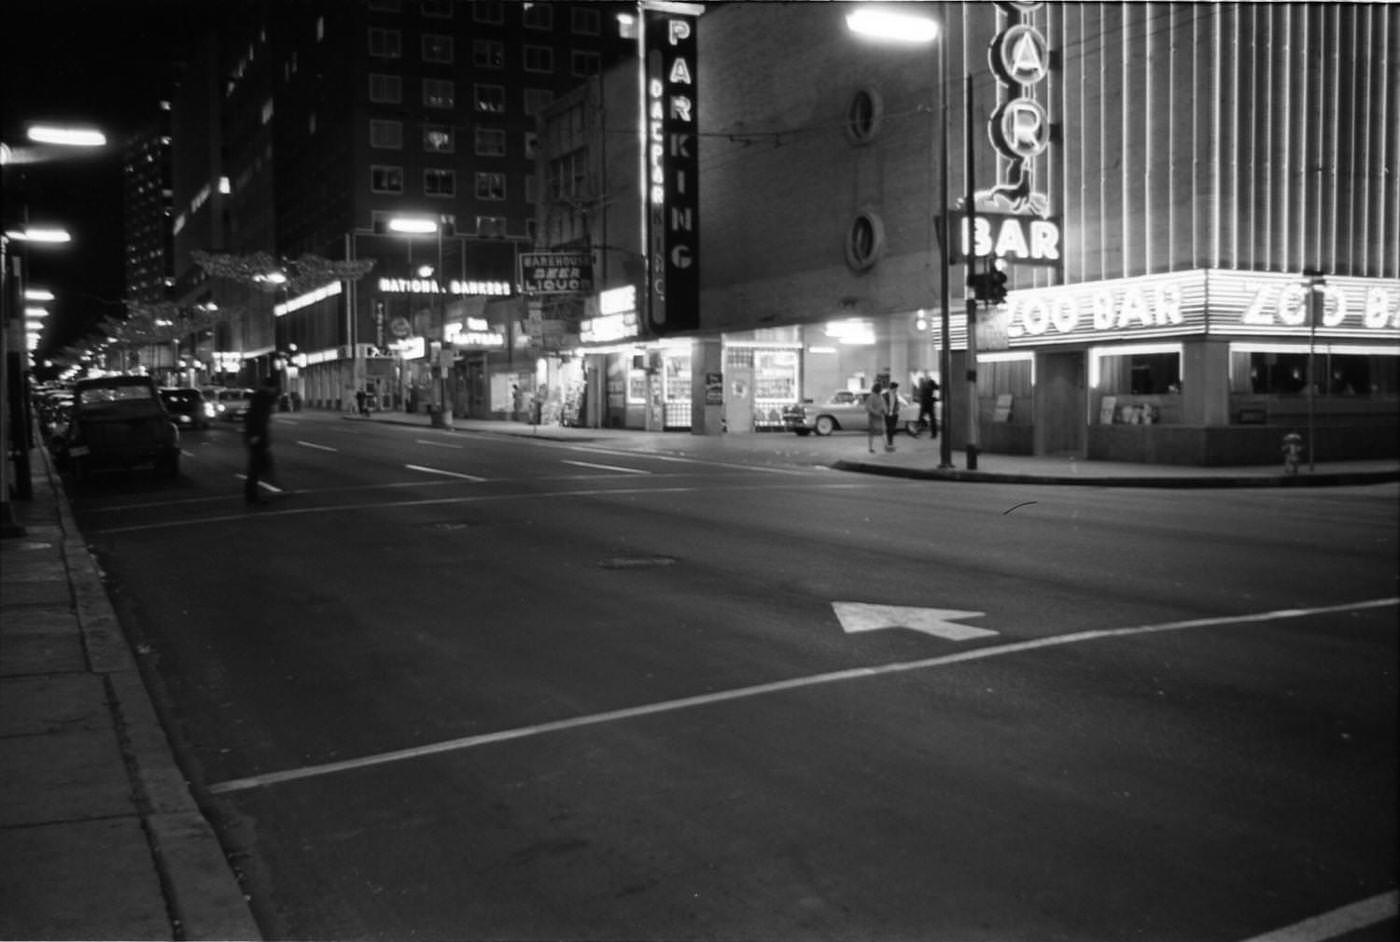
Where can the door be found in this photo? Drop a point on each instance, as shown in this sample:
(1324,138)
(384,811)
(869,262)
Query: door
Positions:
(1060,404)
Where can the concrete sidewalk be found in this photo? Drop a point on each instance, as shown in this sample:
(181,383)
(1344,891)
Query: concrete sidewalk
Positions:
(100,837)
(919,458)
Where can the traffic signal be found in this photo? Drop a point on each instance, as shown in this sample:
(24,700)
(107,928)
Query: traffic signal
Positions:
(990,285)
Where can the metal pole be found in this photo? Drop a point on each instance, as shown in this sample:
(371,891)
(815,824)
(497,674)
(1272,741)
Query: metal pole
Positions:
(1314,308)
(945,352)
(973,432)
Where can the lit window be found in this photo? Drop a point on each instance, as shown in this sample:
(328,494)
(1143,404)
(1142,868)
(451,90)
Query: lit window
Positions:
(267,111)
(439,93)
(490,186)
(385,43)
(384,179)
(490,142)
(386,134)
(539,59)
(491,98)
(439,182)
(437,48)
(438,139)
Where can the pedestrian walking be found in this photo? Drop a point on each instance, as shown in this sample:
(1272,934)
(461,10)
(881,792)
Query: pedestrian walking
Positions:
(891,414)
(875,407)
(360,399)
(256,426)
(928,387)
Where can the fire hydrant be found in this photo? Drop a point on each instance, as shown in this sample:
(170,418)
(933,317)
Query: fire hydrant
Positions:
(1292,452)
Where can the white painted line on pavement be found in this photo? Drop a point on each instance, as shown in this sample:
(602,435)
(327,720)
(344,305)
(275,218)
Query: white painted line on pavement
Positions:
(450,474)
(424,441)
(316,446)
(795,683)
(263,484)
(1338,922)
(604,467)
(650,456)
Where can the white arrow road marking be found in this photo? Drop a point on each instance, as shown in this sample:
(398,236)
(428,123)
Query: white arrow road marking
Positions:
(605,467)
(450,474)
(316,446)
(860,616)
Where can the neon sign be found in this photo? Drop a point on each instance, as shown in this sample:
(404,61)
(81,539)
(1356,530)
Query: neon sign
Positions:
(670,127)
(1019,128)
(430,286)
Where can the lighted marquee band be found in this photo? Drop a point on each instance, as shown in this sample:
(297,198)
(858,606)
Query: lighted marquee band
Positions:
(305,300)
(1202,302)
(430,286)
(670,171)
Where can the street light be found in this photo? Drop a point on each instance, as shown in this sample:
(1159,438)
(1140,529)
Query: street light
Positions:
(889,26)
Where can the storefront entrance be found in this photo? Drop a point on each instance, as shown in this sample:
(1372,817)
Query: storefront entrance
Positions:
(1060,404)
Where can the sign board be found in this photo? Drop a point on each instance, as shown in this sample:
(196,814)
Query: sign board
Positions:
(556,272)
(671,164)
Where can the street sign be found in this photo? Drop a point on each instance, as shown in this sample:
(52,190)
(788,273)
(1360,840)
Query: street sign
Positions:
(556,272)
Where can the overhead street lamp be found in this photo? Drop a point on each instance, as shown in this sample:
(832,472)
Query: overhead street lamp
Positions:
(886,25)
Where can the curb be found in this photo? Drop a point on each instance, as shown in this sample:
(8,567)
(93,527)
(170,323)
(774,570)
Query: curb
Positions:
(1326,479)
(204,896)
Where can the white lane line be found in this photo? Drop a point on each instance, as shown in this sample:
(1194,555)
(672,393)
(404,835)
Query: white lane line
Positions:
(650,456)
(604,467)
(424,441)
(1338,922)
(741,693)
(450,474)
(263,484)
(316,446)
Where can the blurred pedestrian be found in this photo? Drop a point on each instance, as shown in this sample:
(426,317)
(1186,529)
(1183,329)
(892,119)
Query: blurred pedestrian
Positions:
(360,401)
(891,414)
(928,386)
(875,416)
(256,427)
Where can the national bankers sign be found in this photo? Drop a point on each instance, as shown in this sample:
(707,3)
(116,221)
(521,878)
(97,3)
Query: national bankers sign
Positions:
(670,135)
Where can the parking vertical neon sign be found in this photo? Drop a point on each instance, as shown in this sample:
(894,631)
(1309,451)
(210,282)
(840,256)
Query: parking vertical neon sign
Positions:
(670,126)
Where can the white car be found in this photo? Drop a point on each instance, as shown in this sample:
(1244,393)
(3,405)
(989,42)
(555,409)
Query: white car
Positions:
(843,411)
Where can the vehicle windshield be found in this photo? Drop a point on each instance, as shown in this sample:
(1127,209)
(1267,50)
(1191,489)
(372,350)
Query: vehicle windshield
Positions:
(100,394)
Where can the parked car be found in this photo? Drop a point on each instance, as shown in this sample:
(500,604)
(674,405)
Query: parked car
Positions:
(842,411)
(187,407)
(118,422)
(231,404)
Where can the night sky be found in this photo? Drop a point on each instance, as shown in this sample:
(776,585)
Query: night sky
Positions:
(102,63)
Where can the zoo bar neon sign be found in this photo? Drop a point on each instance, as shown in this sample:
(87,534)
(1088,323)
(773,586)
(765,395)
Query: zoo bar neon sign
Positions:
(670,145)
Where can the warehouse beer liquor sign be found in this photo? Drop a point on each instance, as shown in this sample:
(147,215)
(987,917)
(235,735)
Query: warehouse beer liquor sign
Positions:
(670,135)
(1019,129)
(556,273)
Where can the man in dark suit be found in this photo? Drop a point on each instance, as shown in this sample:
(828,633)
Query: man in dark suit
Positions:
(255,434)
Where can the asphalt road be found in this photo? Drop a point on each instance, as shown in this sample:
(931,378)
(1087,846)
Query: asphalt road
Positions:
(463,686)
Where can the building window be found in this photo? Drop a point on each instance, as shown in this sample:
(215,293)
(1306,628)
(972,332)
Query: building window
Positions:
(490,186)
(439,93)
(532,145)
(537,98)
(489,11)
(539,16)
(1144,373)
(586,63)
(385,89)
(865,241)
(437,48)
(384,6)
(488,54)
(383,179)
(438,139)
(385,43)
(387,135)
(440,9)
(491,98)
(585,22)
(439,182)
(267,111)
(490,142)
(491,227)
(539,59)
(863,116)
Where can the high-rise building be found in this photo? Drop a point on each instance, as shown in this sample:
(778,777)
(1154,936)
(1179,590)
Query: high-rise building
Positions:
(147,201)
(339,123)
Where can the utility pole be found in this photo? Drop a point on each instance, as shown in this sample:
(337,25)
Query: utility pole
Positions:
(973,432)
